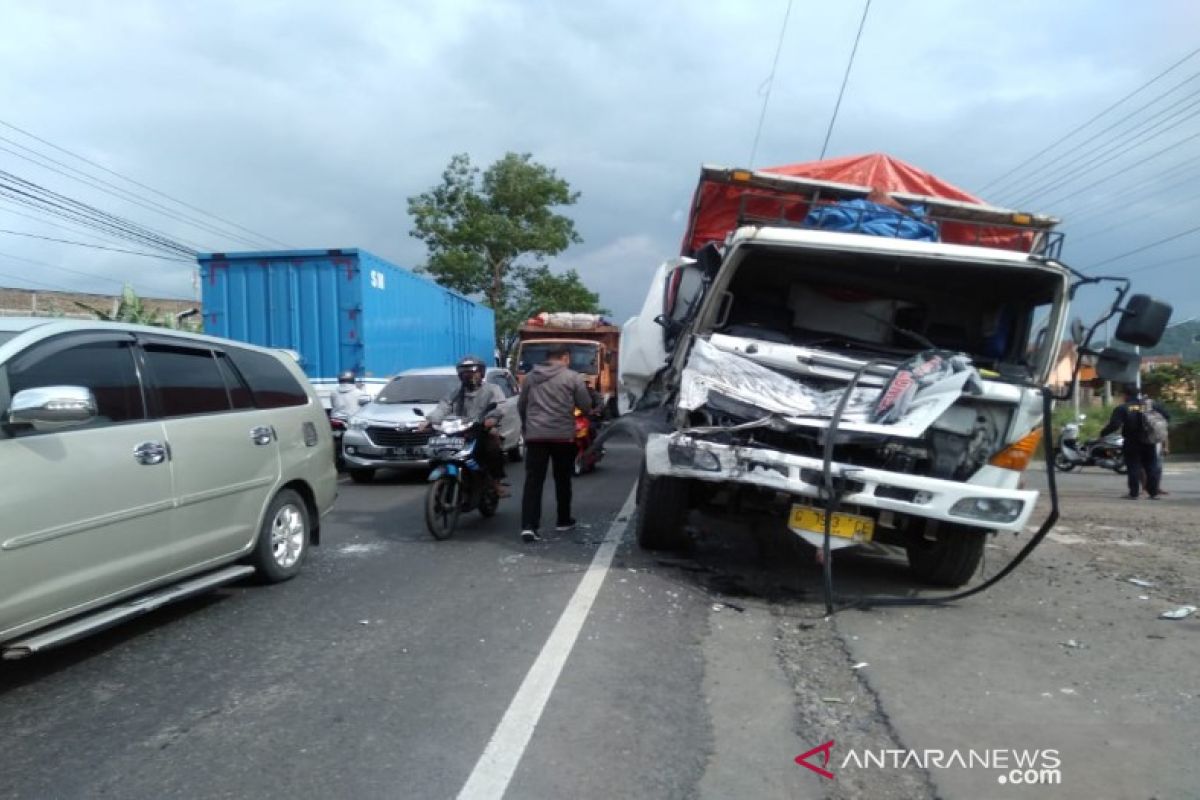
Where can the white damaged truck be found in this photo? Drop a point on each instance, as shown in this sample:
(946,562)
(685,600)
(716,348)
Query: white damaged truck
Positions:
(865,364)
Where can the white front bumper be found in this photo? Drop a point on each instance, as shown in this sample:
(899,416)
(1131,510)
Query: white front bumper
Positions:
(772,469)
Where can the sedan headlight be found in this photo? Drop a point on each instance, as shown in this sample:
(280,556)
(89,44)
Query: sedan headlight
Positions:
(989,509)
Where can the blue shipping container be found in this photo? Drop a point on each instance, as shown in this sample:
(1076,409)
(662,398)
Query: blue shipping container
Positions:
(341,310)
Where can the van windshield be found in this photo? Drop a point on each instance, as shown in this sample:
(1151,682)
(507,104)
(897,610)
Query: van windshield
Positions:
(417,389)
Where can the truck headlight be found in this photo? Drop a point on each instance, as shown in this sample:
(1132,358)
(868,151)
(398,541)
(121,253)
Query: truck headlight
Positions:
(688,456)
(990,509)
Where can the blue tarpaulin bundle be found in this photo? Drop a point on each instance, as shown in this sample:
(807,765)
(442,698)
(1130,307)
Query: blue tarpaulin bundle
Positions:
(873,219)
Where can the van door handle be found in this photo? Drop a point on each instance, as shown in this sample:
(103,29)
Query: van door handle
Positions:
(262,435)
(150,453)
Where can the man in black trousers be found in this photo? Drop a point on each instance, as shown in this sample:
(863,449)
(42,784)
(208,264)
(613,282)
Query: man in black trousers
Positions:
(1141,455)
(549,397)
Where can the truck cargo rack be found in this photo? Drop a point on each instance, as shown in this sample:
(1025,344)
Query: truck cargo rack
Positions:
(786,202)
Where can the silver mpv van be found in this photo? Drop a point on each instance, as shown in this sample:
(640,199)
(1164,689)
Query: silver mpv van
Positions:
(141,465)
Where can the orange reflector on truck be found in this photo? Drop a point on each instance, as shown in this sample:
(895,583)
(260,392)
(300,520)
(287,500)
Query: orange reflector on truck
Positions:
(1021,219)
(1018,455)
(741,175)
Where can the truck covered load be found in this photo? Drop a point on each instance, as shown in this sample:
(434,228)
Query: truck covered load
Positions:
(858,189)
(341,310)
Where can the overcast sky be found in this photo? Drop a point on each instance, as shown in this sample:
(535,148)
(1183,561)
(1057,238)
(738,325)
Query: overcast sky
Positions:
(312,122)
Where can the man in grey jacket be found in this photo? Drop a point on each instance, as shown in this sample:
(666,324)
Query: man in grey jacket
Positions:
(549,397)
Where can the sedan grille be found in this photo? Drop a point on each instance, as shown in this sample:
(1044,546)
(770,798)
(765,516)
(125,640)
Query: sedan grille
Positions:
(390,437)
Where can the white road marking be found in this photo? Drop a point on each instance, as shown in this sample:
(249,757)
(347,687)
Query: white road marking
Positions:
(495,768)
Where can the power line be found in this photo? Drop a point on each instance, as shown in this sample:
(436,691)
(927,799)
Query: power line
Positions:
(1103,205)
(1089,162)
(82,212)
(1124,222)
(770,84)
(80,273)
(1134,165)
(1156,265)
(1146,247)
(70,229)
(845,78)
(1022,184)
(96,246)
(151,189)
(1075,130)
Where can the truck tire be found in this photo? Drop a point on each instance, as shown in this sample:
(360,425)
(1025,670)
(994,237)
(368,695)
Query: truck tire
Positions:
(661,513)
(949,560)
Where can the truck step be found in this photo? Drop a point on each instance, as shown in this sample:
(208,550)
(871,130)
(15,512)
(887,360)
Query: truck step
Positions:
(142,604)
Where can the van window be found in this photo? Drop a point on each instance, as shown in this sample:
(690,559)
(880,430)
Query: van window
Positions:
(187,380)
(270,381)
(104,367)
(239,392)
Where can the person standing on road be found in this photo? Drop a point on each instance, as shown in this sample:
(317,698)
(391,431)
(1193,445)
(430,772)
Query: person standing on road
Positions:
(549,397)
(1141,450)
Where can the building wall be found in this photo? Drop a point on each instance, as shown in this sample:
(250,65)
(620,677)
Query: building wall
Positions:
(36,303)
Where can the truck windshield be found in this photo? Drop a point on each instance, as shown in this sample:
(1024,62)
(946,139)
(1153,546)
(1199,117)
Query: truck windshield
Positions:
(417,389)
(887,304)
(584,357)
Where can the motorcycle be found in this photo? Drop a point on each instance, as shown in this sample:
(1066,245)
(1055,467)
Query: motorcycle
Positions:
(337,425)
(585,434)
(458,483)
(1107,452)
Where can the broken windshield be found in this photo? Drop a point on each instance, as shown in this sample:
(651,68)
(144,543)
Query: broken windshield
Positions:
(889,304)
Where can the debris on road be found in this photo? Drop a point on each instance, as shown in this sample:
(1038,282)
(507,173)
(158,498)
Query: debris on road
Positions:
(1145,584)
(832,700)
(860,665)
(364,622)
(1072,643)
(1183,612)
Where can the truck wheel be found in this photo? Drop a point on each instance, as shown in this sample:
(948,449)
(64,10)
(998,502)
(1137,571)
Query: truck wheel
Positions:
(282,538)
(362,475)
(951,559)
(662,512)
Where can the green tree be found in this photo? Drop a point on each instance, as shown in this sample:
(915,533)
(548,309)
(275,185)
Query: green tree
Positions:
(489,234)
(131,309)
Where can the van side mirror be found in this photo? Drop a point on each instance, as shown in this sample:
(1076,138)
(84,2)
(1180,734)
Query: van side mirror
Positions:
(1118,366)
(53,407)
(1143,321)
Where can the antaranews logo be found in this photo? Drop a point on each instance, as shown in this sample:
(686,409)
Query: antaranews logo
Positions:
(1014,767)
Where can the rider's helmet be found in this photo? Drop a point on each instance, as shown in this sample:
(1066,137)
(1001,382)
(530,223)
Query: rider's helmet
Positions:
(346,377)
(471,370)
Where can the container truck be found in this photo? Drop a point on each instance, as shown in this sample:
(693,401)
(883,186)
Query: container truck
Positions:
(861,351)
(339,310)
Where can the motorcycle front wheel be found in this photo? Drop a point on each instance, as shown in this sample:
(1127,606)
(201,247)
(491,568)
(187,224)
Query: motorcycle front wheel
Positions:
(1062,463)
(442,507)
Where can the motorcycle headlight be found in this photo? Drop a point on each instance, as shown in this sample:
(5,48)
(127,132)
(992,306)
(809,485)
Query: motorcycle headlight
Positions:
(453,426)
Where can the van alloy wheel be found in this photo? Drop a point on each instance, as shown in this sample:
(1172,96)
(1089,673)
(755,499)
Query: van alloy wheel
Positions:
(287,535)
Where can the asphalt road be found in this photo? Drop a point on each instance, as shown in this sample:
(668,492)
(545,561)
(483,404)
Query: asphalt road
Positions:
(388,666)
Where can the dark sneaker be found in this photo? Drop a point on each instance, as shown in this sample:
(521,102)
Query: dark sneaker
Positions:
(530,536)
(562,527)
(1131,497)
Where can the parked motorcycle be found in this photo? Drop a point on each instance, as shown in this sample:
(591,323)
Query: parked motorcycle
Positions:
(586,428)
(1107,452)
(458,483)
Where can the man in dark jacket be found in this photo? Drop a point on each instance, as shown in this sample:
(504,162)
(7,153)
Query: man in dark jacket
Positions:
(549,397)
(1140,456)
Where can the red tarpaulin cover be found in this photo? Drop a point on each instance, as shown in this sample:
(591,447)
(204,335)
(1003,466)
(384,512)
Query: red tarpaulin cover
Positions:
(716,206)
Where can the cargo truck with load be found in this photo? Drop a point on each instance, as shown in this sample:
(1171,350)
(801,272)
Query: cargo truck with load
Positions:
(860,350)
(594,345)
(341,310)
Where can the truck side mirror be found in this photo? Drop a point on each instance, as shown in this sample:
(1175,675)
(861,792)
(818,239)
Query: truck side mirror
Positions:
(1118,366)
(1143,321)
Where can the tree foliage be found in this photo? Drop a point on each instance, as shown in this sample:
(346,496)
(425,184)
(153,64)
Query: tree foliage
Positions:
(132,309)
(489,234)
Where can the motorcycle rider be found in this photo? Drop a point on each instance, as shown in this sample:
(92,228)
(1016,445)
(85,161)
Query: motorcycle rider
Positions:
(347,398)
(1140,455)
(469,399)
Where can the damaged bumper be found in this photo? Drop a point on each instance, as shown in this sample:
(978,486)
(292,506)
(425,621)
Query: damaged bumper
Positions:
(682,456)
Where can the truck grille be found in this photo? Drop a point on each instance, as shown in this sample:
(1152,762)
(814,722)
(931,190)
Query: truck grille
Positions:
(390,437)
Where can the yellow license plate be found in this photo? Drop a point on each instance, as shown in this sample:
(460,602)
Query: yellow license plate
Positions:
(845,526)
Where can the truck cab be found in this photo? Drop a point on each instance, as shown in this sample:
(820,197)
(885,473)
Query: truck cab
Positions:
(947,324)
(592,343)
